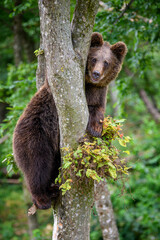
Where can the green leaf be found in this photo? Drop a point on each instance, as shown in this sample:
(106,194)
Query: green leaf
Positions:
(66,186)
(9,168)
(128,152)
(112,170)
(79,174)
(122,142)
(120,120)
(101,165)
(66,165)
(92,174)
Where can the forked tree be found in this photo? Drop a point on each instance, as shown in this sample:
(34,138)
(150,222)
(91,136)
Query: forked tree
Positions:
(65,45)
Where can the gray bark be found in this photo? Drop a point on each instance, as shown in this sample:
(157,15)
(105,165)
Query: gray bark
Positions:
(105,212)
(82,26)
(41,68)
(72,217)
(65,70)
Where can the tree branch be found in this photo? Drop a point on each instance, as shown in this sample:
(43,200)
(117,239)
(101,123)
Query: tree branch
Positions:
(149,105)
(3,139)
(105,212)
(82,25)
(124,10)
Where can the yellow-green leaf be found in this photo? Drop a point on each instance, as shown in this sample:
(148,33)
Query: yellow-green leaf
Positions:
(128,152)
(122,142)
(112,170)
(92,174)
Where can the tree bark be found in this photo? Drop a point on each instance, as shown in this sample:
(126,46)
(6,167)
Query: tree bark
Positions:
(41,68)
(105,212)
(82,26)
(65,70)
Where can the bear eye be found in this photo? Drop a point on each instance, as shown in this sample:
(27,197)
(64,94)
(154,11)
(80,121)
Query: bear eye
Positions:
(105,63)
(94,60)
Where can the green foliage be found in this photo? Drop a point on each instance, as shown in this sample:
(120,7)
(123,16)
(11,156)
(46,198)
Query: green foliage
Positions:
(37,234)
(20,87)
(38,52)
(13,217)
(96,159)
(138,214)
(11,166)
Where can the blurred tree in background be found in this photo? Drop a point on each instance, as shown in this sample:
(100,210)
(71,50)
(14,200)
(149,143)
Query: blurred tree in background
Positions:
(134,96)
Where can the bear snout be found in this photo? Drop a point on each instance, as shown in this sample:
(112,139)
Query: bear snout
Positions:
(96,75)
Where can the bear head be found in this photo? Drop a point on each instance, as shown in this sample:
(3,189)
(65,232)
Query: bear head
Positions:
(104,61)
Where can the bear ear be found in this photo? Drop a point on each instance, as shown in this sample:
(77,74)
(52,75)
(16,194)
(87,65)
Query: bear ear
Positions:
(96,40)
(119,49)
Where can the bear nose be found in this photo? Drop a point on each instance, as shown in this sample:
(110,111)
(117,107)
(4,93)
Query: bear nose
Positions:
(96,74)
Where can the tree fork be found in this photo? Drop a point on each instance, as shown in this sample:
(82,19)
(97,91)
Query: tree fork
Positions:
(65,70)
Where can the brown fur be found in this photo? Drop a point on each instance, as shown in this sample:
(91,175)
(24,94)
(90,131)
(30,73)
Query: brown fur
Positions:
(106,60)
(36,136)
(36,146)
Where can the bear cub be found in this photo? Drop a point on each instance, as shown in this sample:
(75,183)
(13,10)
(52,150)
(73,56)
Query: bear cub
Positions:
(36,136)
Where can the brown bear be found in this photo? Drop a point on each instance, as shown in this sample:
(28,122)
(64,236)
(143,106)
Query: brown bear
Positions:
(36,137)
(103,65)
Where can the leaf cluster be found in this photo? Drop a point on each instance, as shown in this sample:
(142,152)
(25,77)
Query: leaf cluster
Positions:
(95,158)
(19,88)
(11,165)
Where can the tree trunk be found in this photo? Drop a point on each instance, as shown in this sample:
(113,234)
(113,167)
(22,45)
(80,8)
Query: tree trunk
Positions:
(72,217)
(41,68)
(105,212)
(17,40)
(3,111)
(32,219)
(28,45)
(102,195)
(65,69)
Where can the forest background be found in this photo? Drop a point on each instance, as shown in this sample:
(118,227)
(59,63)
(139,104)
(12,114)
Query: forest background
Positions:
(134,96)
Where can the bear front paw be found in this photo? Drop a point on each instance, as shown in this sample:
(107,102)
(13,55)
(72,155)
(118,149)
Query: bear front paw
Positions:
(95,130)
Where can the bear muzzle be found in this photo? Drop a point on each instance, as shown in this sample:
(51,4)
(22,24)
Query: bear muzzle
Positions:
(95,77)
